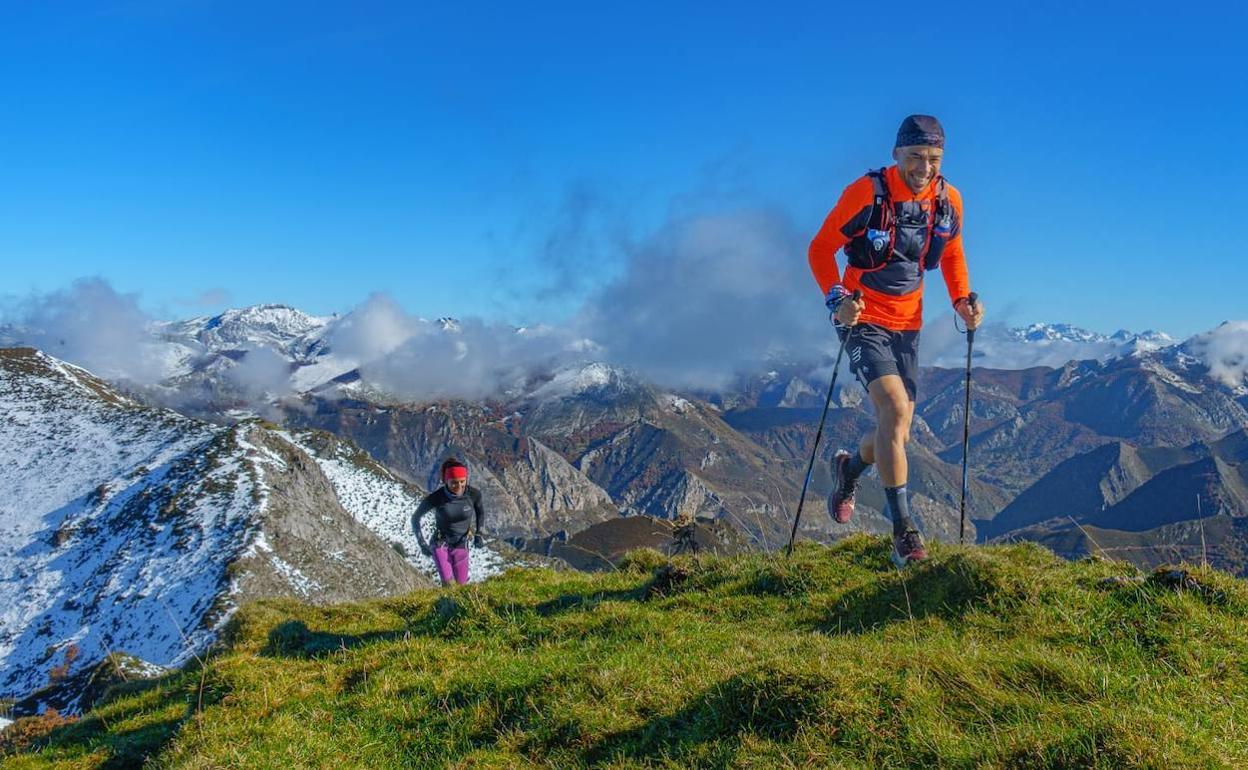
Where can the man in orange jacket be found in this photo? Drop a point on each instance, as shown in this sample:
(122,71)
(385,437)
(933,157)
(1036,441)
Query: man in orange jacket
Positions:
(894,224)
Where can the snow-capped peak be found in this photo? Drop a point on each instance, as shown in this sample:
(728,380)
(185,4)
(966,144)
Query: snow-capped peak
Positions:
(276,326)
(574,381)
(1149,339)
(1038,332)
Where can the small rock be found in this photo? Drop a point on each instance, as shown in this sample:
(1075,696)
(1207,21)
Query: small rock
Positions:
(1119,581)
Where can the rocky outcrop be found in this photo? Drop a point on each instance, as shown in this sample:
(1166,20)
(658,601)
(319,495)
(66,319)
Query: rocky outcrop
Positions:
(303,543)
(547,490)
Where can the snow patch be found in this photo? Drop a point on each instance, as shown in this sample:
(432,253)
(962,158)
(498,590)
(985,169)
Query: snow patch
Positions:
(674,403)
(302,584)
(1167,376)
(259,544)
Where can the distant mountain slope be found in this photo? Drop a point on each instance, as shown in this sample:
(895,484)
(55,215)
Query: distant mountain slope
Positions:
(1119,343)
(1171,496)
(1220,541)
(1024,423)
(1084,485)
(1144,504)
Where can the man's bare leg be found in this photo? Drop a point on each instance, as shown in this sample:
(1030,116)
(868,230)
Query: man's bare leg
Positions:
(886,447)
(887,444)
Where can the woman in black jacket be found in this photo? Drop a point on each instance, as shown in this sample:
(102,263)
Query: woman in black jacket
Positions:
(456,506)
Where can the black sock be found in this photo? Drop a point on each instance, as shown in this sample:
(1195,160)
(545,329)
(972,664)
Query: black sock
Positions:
(899,507)
(855,466)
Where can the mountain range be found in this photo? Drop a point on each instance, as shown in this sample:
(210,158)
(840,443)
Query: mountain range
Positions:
(268,457)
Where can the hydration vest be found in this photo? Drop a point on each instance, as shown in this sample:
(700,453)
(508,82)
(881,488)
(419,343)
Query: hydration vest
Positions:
(874,247)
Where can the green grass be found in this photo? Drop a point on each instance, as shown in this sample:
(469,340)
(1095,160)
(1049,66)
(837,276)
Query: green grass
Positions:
(980,657)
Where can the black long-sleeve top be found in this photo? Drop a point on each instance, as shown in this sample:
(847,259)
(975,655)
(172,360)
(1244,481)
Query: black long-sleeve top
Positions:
(453,515)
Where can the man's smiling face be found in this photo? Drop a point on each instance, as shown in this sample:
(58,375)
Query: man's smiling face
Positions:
(918,165)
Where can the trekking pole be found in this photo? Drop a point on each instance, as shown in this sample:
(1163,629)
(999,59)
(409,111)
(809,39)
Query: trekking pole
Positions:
(810,467)
(966,421)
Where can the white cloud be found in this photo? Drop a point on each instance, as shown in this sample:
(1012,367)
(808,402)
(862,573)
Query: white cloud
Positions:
(93,326)
(372,330)
(709,295)
(262,374)
(473,359)
(418,359)
(1225,351)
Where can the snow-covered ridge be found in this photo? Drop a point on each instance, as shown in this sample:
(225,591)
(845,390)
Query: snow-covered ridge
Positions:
(128,529)
(116,525)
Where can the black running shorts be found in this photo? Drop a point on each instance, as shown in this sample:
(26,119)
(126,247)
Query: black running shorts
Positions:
(874,351)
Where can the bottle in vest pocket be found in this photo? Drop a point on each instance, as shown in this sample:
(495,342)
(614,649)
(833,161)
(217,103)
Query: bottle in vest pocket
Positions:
(872,248)
(942,231)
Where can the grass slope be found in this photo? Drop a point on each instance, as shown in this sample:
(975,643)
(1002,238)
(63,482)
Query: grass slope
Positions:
(980,657)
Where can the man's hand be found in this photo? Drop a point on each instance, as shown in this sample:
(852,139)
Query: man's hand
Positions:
(478,541)
(850,310)
(972,315)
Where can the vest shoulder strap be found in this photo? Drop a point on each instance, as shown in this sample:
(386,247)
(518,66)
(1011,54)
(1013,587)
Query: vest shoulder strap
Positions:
(944,209)
(881,216)
(878,182)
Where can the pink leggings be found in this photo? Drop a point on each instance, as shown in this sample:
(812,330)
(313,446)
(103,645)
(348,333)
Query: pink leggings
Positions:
(451,561)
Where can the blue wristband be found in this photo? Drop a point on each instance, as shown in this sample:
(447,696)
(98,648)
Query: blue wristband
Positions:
(836,295)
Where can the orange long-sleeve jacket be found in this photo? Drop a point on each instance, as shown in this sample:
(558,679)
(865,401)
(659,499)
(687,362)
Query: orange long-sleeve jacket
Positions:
(893,293)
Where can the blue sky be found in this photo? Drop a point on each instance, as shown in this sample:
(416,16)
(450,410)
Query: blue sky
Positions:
(472,161)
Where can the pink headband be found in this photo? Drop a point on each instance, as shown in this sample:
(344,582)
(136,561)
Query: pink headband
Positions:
(455,472)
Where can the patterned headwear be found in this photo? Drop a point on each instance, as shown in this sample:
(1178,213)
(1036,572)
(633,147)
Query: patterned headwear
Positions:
(920,130)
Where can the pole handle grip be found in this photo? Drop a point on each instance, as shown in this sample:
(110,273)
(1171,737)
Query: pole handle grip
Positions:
(971,300)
